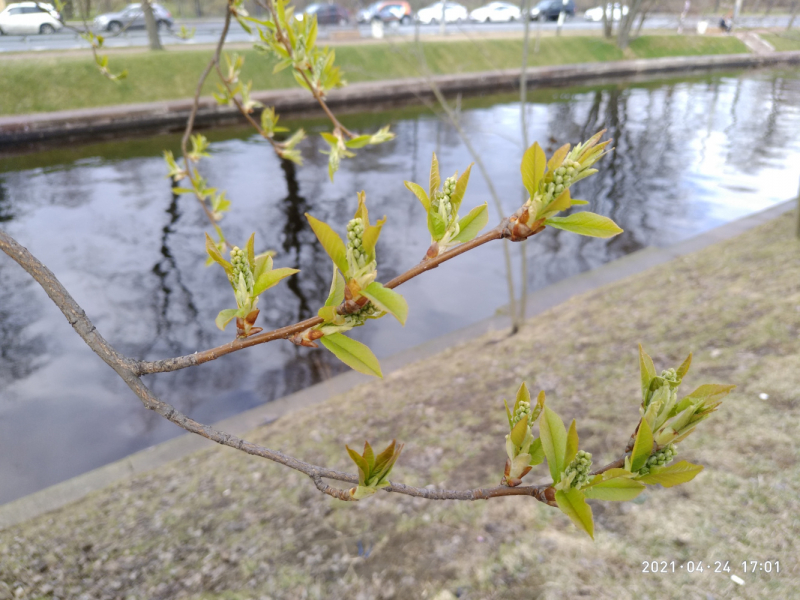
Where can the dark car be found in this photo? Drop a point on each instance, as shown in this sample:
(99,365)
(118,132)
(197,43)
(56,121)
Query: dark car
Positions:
(327,14)
(548,10)
(132,17)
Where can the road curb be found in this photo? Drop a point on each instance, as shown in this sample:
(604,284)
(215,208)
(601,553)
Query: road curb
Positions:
(72,490)
(172,114)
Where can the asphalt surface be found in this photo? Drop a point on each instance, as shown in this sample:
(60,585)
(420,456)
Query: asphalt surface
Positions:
(208,31)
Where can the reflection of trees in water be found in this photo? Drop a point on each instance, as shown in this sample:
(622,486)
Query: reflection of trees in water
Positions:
(20,352)
(6,212)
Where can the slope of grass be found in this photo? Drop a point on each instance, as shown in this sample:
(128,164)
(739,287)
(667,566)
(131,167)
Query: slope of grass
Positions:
(41,84)
(221,524)
(784,41)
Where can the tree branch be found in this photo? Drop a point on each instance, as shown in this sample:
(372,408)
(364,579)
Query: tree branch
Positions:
(127,370)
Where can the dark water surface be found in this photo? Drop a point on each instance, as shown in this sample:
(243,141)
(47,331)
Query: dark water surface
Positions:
(691,155)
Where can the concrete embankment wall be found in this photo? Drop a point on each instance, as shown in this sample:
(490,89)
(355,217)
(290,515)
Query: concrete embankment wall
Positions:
(172,114)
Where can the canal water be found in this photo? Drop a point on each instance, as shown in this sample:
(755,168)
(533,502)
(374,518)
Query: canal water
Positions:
(690,155)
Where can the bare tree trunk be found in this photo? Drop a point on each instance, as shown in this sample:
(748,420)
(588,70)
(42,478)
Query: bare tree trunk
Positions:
(608,23)
(626,24)
(152,26)
(197,9)
(794,14)
(645,12)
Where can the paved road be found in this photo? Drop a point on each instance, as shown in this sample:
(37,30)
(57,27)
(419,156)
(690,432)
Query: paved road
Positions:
(208,31)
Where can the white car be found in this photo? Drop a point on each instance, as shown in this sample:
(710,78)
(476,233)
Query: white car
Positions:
(496,12)
(26,18)
(453,13)
(596,13)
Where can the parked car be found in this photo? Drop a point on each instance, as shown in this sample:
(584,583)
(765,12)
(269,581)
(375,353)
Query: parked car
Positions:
(548,10)
(25,18)
(132,17)
(327,14)
(596,13)
(453,13)
(496,12)
(386,11)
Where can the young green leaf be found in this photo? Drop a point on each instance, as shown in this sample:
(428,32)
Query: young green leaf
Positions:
(647,370)
(358,142)
(533,165)
(523,395)
(519,432)
(573,504)
(461,188)
(420,194)
(557,158)
(470,225)
(572,443)
(684,368)
(336,295)
(537,452)
(370,237)
(331,241)
(435,178)
(361,463)
(224,317)
(618,489)
(554,441)
(387,300)
(586,223)
(671,475)
(643,447)
(354,354)
(436,225)
(576,202)
(270,278)
(214,253)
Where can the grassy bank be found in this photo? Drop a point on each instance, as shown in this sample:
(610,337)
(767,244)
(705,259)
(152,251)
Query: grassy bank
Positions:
(41,84)
(222,525)
(786,40)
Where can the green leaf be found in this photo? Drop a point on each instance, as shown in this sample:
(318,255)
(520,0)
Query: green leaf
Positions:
(470,225)
(709,394)
(508,414)
(224,317)
(576,202)
(684,368)
(461,188)
(270,278)
(537,452)
(387,300)
(586,223)
(573,504)
(358,142)
(435,179)
(336,295)
(647,371)
(519,432)
(361,463)
(331,241)
(533,164)
(370,238)
(354,354)
(417,190)
(436,225)
(572,444)
(557,158)
(369,456)
(554,441)
(643,447)
(671,475)
(523,395)
(214,253)
(250,249)
(618,489)
(563,202)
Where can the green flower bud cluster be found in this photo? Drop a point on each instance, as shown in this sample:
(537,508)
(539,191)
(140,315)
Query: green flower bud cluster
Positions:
(561,179)
(359,318)
(670,375)
(577,472)
(523,408)
(241,270)
(443,198)
(660,458)
(355,234)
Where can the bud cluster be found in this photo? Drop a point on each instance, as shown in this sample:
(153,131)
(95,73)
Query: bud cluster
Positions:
(523,408)
(560,179)
(355,234)
(660,458)
(443,198)
(577,472)
(670,375)
(357,319)
(241,270)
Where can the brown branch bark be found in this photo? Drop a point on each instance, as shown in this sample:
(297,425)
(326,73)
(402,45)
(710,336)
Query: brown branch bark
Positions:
(127,370)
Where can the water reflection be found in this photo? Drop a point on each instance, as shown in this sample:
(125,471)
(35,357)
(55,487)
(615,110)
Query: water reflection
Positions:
(689,156)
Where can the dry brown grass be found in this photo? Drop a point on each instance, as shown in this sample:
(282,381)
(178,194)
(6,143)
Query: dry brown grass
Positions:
(225,525)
